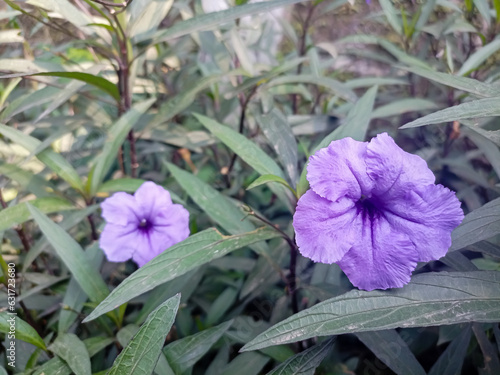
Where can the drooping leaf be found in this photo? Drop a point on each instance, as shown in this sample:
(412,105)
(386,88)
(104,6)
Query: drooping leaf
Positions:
(23,331)
(428,300)
(142,352)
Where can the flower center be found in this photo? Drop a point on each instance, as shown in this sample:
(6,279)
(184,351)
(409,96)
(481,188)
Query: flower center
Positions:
(144,224)
(368,206)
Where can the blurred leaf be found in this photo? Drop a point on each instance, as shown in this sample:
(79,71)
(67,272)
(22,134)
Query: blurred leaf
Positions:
(357,83)
(149,18)
(96,81)
(184,353)
(246,364)
(490,354)
(478,225)
(50,158)
(142,353)
(426,10)
(398,107)
(75,297)
(129,185)
(211,20)
(470,85)
(489,149)
(72,256)
(484,8)
(23,331)
(73,351)
(18,214)
(477,108)
(279,134)
(221,305)
(264,179)
(194,251)
(392,15)
(478,57)
(391,349)
(492,135)
(117,134)
(430,299)
(335,86)
(304,363)
(450,362)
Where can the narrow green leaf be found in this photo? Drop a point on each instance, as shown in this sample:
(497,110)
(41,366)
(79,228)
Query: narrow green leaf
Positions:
(73,351)
(193,252)
(470,85)
(478,57)
(211,20)
(129,185)
(142,353)
(478,225)
(430,299)
(391,349)
(72,256)
(182,354)
(148,18)
(392,15)
(50,158)
(246,364)
(477,108)
(117,134)
(264,179)
(304,363)
(18,214)
(450,362)
(399,107)
(10,323)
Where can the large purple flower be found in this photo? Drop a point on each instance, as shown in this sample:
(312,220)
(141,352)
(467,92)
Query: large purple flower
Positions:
(142,225)
(375,211)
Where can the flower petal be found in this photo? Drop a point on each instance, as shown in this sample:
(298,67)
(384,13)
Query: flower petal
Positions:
(120,209)
(325,230)
(152,199)
(174,221)
(119,242)
(391,168)
(427,216)
(381,258)
(339,170)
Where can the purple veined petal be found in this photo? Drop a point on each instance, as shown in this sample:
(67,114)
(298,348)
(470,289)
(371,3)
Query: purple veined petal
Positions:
(119,242)
(151,199)
(120,209)
(325,230)
(392,169)
(175,221)
(381,258)
(339,170)
(427,216)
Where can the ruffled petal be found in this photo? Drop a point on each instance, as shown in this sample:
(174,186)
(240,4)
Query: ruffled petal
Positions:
(174,221)
(427,216)
(151,199)
(120,209)
(325,230)
(381,258)
(339,170)
(119,242)
(393,169)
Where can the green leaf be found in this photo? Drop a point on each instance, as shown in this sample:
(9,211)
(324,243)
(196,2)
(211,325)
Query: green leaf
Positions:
(335,86)
(129,185)
(221,305)
(450,362)
(470,85)
(117,134)
(184,353)
(211,20)
(23,331)
(242,146)
(193,252)
(50,158)
(73,351)
(142,353)
(72,256)
(304,363)
(391,349)
(264,179)
(430,299)
(357,121)
(478,225)
(280,136)
(96,81)
(398,107)
(478,57)
(18,214)
(477,108)
(392,15)
(246,364)
(146,19)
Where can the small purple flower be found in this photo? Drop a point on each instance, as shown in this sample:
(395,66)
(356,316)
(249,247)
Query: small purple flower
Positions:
(375,211)
(142,225)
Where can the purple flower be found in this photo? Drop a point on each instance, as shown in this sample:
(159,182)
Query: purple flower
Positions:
(375,211)
(142,225)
